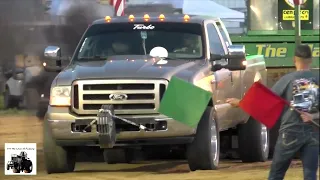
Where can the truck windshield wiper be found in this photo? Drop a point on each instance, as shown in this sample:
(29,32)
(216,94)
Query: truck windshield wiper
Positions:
(169,58)
(174,58)
(93,58)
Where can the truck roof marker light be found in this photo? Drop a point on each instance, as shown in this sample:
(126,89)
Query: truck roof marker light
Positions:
(107,18)
(131,18)
(186,18)
(161,17)
(146,17)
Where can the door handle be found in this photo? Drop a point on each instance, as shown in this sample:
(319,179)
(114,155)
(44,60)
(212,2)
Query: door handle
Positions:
(231,78)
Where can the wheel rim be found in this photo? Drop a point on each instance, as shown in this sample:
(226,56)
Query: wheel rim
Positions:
(264,139)
(214,143)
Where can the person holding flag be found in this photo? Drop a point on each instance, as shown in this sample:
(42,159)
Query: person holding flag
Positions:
(298,90)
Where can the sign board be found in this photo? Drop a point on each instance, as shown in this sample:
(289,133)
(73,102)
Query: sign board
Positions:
(287,14)
(281,54)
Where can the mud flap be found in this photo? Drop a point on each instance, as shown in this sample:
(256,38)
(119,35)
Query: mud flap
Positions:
(106,127)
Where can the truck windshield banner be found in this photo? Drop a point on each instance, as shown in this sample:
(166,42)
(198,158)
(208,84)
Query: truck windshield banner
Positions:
(287,15)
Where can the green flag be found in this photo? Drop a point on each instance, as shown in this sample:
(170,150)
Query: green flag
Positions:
(184,102)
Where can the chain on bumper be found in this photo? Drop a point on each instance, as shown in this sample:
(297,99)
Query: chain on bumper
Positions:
(106,126)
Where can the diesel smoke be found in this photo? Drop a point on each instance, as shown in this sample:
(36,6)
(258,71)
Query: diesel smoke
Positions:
(27,28)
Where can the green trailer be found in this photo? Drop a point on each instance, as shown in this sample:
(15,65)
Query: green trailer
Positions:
(271,33)
(278,48)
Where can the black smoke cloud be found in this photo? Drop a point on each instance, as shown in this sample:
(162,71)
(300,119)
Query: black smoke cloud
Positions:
(21,33)
(76,20)
(14,36)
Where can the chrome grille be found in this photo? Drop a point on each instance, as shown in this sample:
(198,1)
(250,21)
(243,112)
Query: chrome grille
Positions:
(142,96)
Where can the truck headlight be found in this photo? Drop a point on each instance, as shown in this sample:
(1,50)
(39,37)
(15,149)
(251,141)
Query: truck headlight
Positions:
(60,96)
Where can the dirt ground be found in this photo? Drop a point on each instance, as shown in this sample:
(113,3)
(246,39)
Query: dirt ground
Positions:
(28,129)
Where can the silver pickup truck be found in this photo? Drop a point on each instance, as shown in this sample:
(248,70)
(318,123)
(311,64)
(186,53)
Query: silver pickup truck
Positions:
(113,65)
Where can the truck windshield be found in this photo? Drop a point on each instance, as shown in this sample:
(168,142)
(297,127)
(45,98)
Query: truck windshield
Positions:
(181,40)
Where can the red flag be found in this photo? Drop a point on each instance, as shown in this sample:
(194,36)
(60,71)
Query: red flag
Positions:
(262,104)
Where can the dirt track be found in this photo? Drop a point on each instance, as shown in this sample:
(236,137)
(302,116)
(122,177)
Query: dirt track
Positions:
(28,129)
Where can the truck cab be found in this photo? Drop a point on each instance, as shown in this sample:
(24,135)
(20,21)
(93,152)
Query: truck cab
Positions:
(127,62)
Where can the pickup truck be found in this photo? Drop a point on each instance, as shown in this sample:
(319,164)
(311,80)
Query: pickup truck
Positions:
(113,65)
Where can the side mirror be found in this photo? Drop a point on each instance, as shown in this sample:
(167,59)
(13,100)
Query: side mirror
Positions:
(236,58)
(50,68)
(52,53)
(237,61)
(237,50)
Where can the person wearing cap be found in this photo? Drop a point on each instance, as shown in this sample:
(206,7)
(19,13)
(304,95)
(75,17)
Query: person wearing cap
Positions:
(191,44)
(297,133)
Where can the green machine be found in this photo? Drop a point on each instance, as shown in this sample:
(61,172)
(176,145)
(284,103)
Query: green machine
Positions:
(271,33)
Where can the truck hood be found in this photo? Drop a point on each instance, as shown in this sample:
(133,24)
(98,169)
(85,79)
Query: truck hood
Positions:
(133,69)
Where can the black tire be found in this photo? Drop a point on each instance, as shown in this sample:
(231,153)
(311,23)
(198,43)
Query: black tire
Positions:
(8,168)
(27,166)
(202,154)
(16,168)
(114,156)
(253,141)
(41,111)
(9,100)
(30,99)
(57,159)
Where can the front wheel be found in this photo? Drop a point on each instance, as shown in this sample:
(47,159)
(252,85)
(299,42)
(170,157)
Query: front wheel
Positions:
(28,167)
(57,159)
(203,152)
(253,141)
(42,110)
(30,99)
(16,169)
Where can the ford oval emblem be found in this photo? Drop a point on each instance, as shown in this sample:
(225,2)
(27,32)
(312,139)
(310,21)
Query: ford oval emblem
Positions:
(118,97)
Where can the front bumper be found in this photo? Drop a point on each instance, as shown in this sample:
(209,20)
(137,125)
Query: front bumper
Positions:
(62,121)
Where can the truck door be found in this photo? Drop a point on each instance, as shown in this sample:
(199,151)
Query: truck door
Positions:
(223,84)
(236,80)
